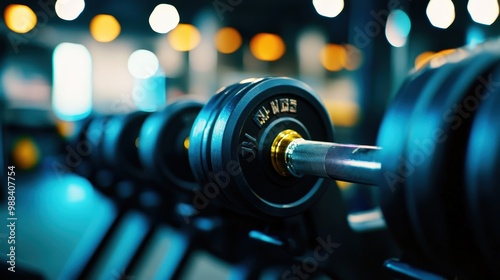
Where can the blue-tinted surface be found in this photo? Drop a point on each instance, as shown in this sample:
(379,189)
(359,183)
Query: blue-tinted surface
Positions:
(113,261)
(58,217)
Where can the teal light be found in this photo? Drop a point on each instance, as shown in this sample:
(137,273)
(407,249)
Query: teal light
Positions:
(397,28)
(264,237)
(149,94)
(474,36)
(76,193)
(402,22)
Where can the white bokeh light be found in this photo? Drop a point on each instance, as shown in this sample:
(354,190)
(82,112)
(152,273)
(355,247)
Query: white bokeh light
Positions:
(441,13)
(143,64)
(164,18)
(72,81)
(69,9)
(397,28)
(328,8)
(483,11)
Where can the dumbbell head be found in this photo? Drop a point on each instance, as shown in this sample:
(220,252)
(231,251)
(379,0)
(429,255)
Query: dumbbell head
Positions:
(392,137)
(424,137)
(482,165)
(436,191)
(164,142)
(94,134)
(232,137)
(120,142)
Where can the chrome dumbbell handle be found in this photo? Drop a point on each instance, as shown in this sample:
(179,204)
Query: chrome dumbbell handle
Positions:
(292,155)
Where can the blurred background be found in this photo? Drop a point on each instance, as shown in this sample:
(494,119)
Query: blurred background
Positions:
(63,61)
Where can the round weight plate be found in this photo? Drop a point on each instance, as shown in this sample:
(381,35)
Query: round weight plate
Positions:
(482,166)
(80,149)
(164,142)
(213,184)
(120,145)
(99,171)
(241,140)
(81,135)
(435,154)
(392,137)
(94,134)
(200,136)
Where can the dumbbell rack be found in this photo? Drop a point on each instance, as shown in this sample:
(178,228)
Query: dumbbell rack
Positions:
(255,194)
(269,243)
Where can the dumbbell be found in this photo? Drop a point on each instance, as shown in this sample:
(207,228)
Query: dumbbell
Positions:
(118,173)
(163,149)
(264,145)
(482,188)
(164,142)
(115,154)
(120,142)
(127,150)
(112,149)
(131,146)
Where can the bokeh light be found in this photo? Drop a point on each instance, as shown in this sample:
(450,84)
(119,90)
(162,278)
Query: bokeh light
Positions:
(72,82)
(267,46)
(76,193)
(397,28)
(474,35)
(353,59)
(66,129)
(328,8)
(104,28)
(143,64)
(25,153)
(164,18)
(483,11)
(184,37)
(441,13)
(227,40)
(69,9)
(20,18)
(333,57)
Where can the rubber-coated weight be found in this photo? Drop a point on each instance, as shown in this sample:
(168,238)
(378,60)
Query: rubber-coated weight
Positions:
(94,134)
(241,132)
(201,137)
(120,144)
(164,142)
(482,166)
(435,149)
(392,137)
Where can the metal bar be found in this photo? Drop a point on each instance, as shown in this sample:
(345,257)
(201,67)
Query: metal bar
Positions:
(352,163)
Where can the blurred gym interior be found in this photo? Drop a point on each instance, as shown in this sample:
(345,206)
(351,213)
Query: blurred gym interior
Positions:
(83,83)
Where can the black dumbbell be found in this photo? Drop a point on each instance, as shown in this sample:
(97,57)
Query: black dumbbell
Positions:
(164,142)
(226,156)
(120,145)
(482,191)
(263,146)
(117,172)
(112,153)
(163,148)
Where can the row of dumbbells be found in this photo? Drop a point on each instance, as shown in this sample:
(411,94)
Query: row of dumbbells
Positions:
(140,161)
(260,149)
